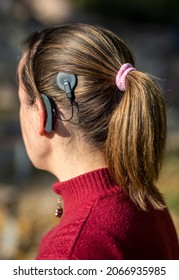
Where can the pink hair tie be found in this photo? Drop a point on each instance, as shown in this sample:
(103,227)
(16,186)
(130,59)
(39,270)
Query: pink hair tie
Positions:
(121,75)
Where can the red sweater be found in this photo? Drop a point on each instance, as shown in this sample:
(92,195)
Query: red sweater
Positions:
(101,222)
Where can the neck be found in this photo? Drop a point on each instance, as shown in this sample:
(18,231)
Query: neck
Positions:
(69,163)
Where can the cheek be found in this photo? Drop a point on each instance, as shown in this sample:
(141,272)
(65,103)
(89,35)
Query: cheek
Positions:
(22,118)
(25,123)
(21,115)
(23,131)
(30,136)
(33,141)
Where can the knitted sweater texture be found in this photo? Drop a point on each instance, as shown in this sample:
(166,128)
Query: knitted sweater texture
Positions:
(101,222)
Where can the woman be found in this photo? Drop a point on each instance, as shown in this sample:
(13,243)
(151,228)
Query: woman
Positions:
(99,125)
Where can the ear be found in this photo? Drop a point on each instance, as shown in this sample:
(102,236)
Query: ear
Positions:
(42,116)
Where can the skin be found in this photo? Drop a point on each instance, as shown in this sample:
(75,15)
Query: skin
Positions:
(61,152)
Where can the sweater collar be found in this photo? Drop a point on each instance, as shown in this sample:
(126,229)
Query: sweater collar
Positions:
(84,187)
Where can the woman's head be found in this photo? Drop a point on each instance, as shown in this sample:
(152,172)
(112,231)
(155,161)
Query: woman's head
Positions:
(93,54)
(128,127)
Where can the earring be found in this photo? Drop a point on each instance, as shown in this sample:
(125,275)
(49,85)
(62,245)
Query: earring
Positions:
(59,209)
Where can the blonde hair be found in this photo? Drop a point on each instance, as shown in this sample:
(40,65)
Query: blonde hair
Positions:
(129,127)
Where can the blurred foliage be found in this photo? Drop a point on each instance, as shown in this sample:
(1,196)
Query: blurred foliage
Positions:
(169,182)
(138,10)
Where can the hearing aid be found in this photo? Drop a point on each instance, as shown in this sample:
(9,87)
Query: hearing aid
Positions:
(67,82)
(50,108)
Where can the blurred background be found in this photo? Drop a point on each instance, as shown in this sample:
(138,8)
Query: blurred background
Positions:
(151,30)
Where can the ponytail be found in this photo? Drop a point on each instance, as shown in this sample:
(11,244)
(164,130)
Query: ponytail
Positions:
(136,140)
